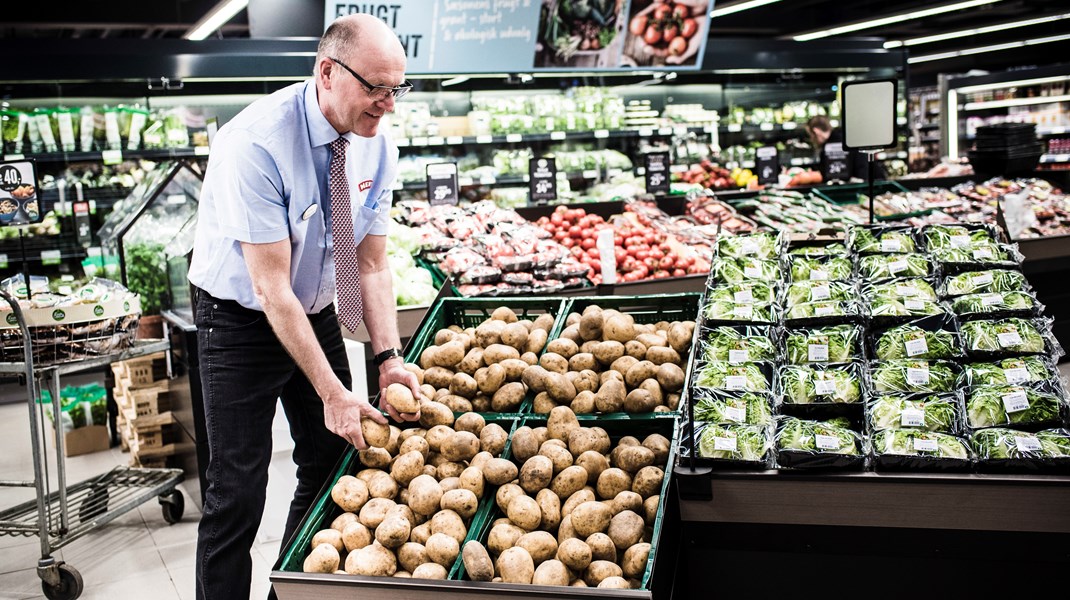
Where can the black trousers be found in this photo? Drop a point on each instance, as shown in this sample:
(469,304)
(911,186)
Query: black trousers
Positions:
(244,371)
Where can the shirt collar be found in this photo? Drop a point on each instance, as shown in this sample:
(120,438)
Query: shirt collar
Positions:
(320,131)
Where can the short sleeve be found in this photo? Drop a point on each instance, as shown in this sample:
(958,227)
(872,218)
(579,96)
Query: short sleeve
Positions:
(386,196)
(247,190)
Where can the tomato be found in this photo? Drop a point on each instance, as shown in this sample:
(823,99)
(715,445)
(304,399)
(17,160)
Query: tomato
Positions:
(575,231)
(593,252)
(666,263)
(652,35)
(679,273)
(649,238)
(662,12)
(678,46)
(688,28)
(661,274)
(638,25)
(568,242)
(670,33)
(556,218)
(681,11)
(587,243)
(596,265)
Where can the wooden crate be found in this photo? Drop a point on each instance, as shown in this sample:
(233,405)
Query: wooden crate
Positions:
(143,371)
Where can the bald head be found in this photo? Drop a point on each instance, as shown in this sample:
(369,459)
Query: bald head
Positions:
(361,36)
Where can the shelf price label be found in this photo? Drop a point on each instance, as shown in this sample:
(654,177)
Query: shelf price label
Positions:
(768,165)
(514,138)
(3,261)
(835,164)
(442,183)
(542,180)
(484,139)
(454,140)
(51,257)
(657,172)
(558,135)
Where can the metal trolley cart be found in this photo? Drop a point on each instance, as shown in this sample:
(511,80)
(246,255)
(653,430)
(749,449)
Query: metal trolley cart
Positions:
(66,513)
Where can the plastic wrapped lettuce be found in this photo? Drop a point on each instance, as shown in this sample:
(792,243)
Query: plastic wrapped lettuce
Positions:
(747,292)
(1003,303)
(929,413)
(1006,336)
(819,268)
(714,406)
(1000,406)
(900,265)
(722,310)
(911,341)
(880,240)
(905,448)
(736,270)
(954,236)
(739,442)
(884,306)
(980,282)
(803,384)
(834,344)
(913,376)
(818,291)
(823,310)
(738,345)
(916,289)
(725,376)
(1009,371)
(984,255)
(833,249)
(1010,444)
(755,245)
(820,444)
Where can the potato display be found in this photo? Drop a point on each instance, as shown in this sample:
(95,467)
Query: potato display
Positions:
(407,512)
(579,511)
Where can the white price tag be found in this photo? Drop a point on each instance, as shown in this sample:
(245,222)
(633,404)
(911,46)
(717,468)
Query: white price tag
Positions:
(557,135)
(736,413)
(1027,443)
(200,150)
(176,199)
(982,278)
(790,125)
(419,142)
(752,272)
(991,299)
(925,445)
(436,140)
(1016,375)
(724,443)
(897,266)
(51,257)
(590,174)
(487,180)
(402,142)
(1008,339)
(960,241)
(484,139)
(983,254)
(112,157)
(917,376)
(826,442)
(735,382)
(1015,401)
(820,292)
(917,347)
(743,297)
(766,126)
(601,134)
(734,127)
(744,311)
(736,357)
(905,290)
(818,275)
(824,387)
(665,131)
(912,417)
(914,304)
(824,310)
(891,245)
(748,247)
(645,132)
(514,138)
(454,140)
(817,352)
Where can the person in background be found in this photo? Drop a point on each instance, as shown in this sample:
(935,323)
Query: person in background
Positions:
(821,133)
(294,209)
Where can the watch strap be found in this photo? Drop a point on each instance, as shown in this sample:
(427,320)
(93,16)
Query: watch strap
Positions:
(386,355)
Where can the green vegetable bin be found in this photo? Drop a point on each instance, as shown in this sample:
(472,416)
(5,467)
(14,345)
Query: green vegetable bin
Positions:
(853,193)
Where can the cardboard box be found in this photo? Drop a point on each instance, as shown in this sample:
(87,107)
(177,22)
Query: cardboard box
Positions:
(83,440)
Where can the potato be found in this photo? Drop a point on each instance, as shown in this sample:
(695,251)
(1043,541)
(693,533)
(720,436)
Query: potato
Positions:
(563,346)
(414,443)
(585,381)
(660,355)
(670,377)
(457,404)
(632,458)
(436,437)
(493,439)
(480,459)
(515,335)
(628,440)
(328,536)
(382,486)
(560,388)
(577,498)
(574,554)
(651,340)
(610,397)
(611,582)
(550,507)
(471,479)
(498,471)
(530,357)
(427,357)
(650,509)
(341,521)
(583,403)
(407,466)
(442,549)
(463,385)
(356,536)
(450,523)
(593,464)
(514,368)
(544,322)
(477,562)
(421,533)
(503,536)
(619,328)
(470,422)
(535,377)
(561,423)
(541,434)
(578,583)
(374,457)
(582,439)
(496,353)
(393,532)
(541,545)
(607,352)
(613,481)
(569,481)
(508,398)
(429,571)
(489,332)
(659,445)
(680,336)
(448,483)
(626,501)
(349,493)
(553,362)
(461,501)
(524,512)
(638,372)
(625,529)
(399,575)
(449,354)
(543,404)
(590,517)
(425,495)
(525,445)
(373,560)
(536,473)
(490,378)
(435,413)
(472,362)
(558,453)
(324,558)
(648,481)
(516,566)
(605,376)
(481,404)
(535,342)
(565,530)
(461,446)
(600,570)
(602,547)
(504,313)
(427,391)
(634,561)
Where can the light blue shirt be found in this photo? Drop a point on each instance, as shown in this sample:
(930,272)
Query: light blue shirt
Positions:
(267,181)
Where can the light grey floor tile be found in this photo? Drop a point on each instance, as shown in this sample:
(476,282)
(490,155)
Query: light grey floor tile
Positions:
(141,583)
(184,579)
(179,556)
(20,584)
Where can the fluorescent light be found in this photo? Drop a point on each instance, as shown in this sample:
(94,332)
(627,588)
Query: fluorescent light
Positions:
(909,16)
(975,31)
(215,18)
(740,7)
(984,49)
(1008,84)
(454,81)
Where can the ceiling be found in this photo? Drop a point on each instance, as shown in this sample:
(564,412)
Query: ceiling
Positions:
(142,19)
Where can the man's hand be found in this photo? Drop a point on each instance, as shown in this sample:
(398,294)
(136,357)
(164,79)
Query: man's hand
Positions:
(342,416)
(394,371)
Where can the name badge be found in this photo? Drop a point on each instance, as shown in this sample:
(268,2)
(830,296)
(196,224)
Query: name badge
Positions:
(311,210)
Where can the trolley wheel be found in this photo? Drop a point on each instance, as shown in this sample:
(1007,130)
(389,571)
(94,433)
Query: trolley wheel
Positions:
(70,584)
(173,504)
(96,503)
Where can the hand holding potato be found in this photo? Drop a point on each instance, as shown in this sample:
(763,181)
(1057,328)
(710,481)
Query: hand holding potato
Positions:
(342,417)
(398,405)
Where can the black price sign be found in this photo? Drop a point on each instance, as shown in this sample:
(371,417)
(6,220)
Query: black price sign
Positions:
(835,163)
(19,204)
(83,230)
(442,184)
(542,174)
(657,172)
(767,165)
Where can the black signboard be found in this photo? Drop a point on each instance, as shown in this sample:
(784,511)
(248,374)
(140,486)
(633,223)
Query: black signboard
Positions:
(767,165)
(657,172)
(835,163)
(19,204)
(442,183)
(543,180)
(83,229)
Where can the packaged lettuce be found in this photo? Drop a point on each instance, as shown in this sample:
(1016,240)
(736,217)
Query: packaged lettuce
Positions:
(989,254)
(803,384)
(833,249)
(928,413)
(1009,371)
(995,302)
(739,345)
(834,344)
(816,437)
(1005,336)
(725,376)
(913,376)
(919,443)
(819,268)
(822,309)
(880,240)
(746,292)
(999,406)
(723,310)
(755,245)
(980,282)
(818,291)
(886,306)
(900,265)
(911,341)
(915,289)
(736,270)
(742,442)
(954,236)
(1003,444)
(733,407)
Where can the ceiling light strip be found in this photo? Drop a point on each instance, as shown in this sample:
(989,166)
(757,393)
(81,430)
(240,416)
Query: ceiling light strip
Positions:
(984,49)
(909,16)
(215,18)
(975,31)
(740,7)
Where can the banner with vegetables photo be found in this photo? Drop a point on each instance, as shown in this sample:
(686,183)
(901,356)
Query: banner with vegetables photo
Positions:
(580,33)
(666,33)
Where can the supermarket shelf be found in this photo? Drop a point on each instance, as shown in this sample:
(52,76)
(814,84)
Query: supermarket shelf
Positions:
(1052,130)
(519,138)
(69,157)
(1055,158)
(514,179)
(969,106)
(140,348)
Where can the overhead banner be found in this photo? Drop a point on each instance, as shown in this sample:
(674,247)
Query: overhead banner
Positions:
(523,36)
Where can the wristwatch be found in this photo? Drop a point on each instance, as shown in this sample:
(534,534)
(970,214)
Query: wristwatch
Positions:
(386,355)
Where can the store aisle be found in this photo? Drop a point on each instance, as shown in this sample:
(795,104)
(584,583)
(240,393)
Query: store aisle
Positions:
(138,555)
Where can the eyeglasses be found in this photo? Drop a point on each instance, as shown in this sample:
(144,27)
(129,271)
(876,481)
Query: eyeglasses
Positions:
(378,92)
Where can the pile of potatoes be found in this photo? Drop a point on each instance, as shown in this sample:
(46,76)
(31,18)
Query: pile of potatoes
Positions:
(605,362)
(408,510)
(480,369)
(579,513)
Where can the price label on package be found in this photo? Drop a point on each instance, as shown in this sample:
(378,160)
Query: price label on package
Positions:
(917,346)
(981,279)
(824,310)
(817,352)
(1015,401)
(743,297)
(904,291)
(914,304)
(912,417)
(735,382)
(983,254)
(1009,338)
(736,414)
(891,245)
(1027,443)
(897,266)
(727,444)
(738,357)
(748,247)
(743,311)
(917,376)
(824,387)
(752,272)
(960,241)
(826,442)
(819,275)
(922,445)
(820,292)
(991,299)
(1016,375)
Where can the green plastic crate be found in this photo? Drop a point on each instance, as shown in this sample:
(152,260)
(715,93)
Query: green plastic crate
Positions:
(850,193)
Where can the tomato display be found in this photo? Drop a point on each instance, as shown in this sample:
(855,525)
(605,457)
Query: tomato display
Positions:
(667,28)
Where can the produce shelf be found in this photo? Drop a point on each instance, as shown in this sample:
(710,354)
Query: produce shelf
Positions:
(69,157)
(520,138)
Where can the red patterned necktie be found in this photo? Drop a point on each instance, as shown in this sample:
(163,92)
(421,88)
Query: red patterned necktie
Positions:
(346,272)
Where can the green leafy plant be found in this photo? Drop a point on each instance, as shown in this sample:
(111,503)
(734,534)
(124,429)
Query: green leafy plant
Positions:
(736,270)
(1012,371)
(802,384)
(146,274)
(724,343)
(954,236)
(725,376)
(747,292)
(837,344)
(975,304)
(721,310)
(818,291)
(1009,405)
(833,249)
(734,442)
(1006,335)
(883,306)
(919,443)
(976,254)
(899,265)
(977,282)
(818,437)
(999,444)
(932,413)
(868,241)
(909,376)
(911,341)
(916,289)
(754,409)
(818,268)
(755,245)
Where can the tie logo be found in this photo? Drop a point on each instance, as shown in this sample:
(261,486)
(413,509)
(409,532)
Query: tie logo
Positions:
(364,185)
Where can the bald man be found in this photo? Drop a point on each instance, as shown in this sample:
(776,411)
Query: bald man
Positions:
(291,244)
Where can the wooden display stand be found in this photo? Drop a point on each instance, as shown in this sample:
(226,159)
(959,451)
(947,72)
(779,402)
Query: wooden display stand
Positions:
(147,427)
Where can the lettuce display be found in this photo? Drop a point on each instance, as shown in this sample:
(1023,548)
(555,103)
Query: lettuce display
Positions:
(723,310)
(979,304)
(884,306)
(917,289)
(820,268)
(818,437)
(1006,335)
(755,245)
(825,308)
(919,443)
(818,291)
(930,413)
(736,270)
(748,292)
(911,341)
(750,408)
(997,406)
(977,254)
(725,376)
(888,266)
(1009,371)
(913,376)
(978,282)
(800,384)
(835,344)
(734,442)
(954,236)
(833,249)
(736,347)
(862,240)
(1000,444)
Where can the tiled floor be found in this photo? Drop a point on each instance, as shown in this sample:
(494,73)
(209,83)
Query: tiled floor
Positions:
(138,555)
